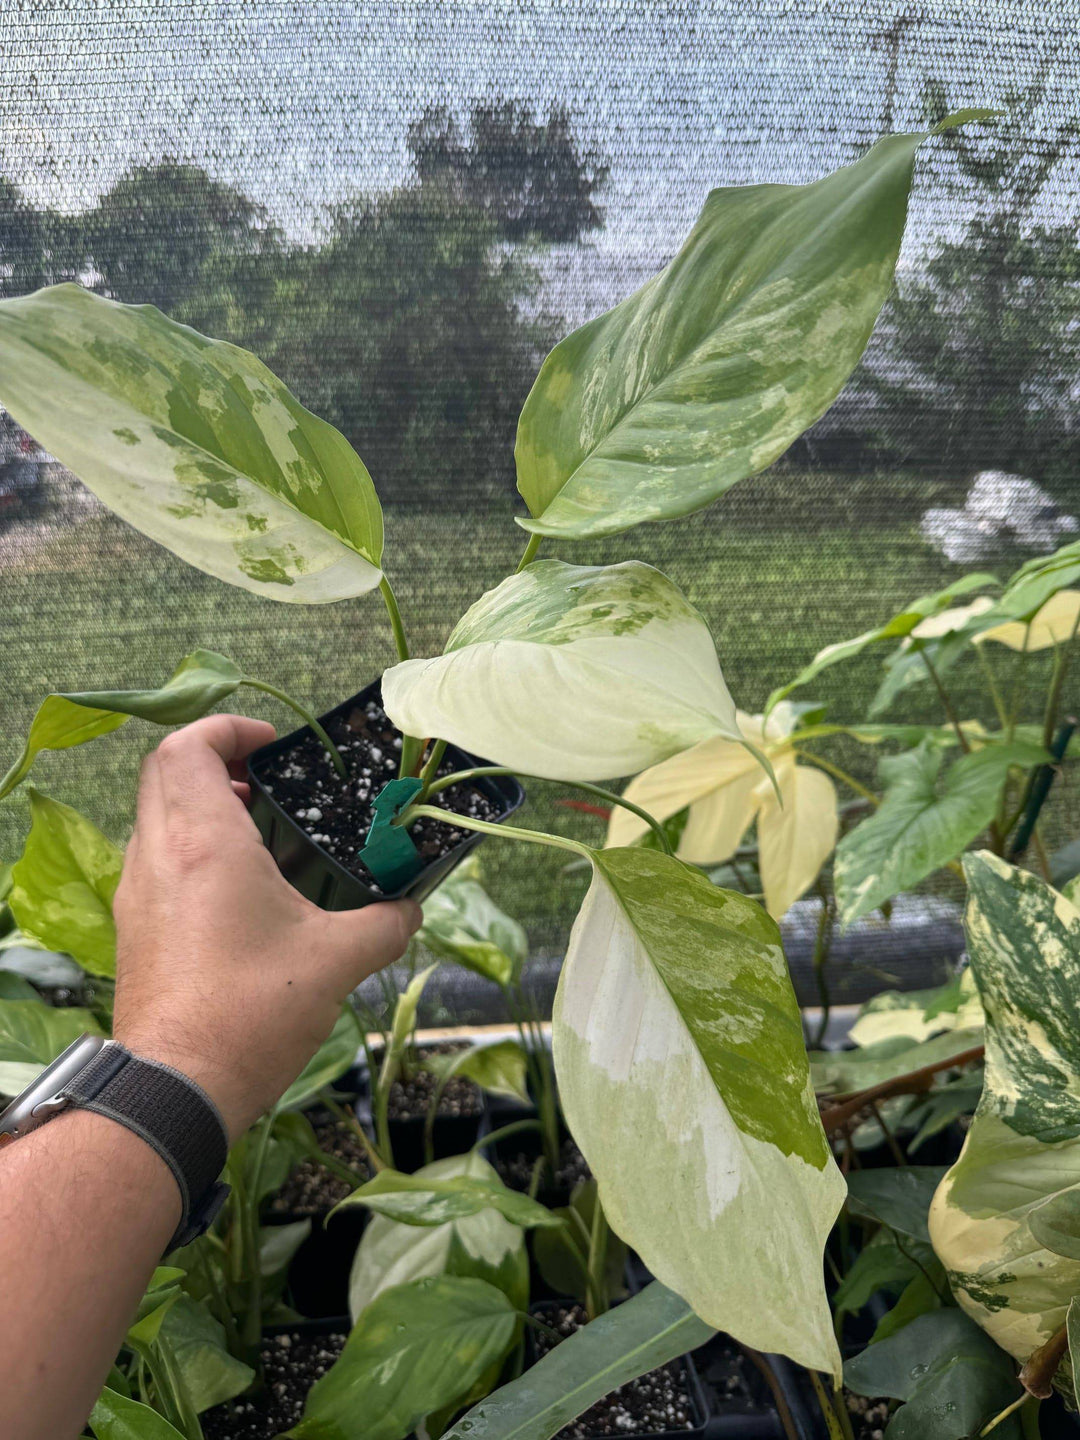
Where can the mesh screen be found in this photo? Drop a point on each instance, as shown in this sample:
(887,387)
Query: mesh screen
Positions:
(399,207)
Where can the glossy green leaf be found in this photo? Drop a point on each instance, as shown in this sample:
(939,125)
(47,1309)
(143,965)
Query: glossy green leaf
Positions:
(498,1067)
(64,883)
(679,1053)
(116,1417)
(482,1245)
(880,1265)
(415,1349)
(918,1014)
(1023,1148)
(951,1376)
(197,1343)
(647,1331)
(922,824)
(926,1291)
(844,1070)
(32,1035)
(942,1106)
(570,672)
(1055,1224)
(279,1243)
(462,923)
(709,372)
(14,987)
(64,720)
(194,442)
(426,1200)
(334,1056)
(900,624)
(898,1196)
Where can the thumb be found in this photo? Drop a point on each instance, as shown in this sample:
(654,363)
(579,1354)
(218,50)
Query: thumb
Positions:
(366,940)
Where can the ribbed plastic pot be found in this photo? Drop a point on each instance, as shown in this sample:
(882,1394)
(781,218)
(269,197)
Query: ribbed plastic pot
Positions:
(316,874)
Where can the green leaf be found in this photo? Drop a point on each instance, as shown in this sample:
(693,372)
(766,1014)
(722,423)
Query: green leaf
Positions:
(942,1106)
(922,1294)
(953,1378)
(334,1056)
(14,987)
(844,1070)
(1055,1224)
(647,1331)
(115,1417)
(679,1053)
(498,1067)
(916,829)
(63,720)
(879,1265)
(462,923)
(209,1373)
(899,1196)
(918,1014)
(415,1349)
(571,672)
(194,442)
(279,1243)
(1034,583)
(1023,1147)
(482,1245)
(562,1254)
(64,884)
(32,1035)
(709,372)
(424,1200)
(901,624)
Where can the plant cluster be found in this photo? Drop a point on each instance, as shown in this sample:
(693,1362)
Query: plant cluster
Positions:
(709,1139)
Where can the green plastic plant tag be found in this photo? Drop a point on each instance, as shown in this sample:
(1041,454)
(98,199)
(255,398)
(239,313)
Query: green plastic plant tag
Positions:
(390,854)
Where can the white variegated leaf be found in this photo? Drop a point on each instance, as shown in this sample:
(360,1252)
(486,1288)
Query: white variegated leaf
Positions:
(194,442)
(1024,1143)
(1054,623)
(679,1053)
(483,1245)
(572,672)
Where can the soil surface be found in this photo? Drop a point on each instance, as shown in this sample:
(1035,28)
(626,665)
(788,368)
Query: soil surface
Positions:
(291,1365)
(649,1405)
(516,1171)
(337,813)
(310,1189)
(410,1096)
(869,1417)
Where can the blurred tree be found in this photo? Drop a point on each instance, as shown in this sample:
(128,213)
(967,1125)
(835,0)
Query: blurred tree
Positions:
(37,247)
(975,362)
(532,179)
(169,235)
(412,337)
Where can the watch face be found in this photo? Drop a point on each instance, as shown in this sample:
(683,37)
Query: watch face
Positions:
(18,1119)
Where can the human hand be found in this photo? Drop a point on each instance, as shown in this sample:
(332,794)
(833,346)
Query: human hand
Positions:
(223,970)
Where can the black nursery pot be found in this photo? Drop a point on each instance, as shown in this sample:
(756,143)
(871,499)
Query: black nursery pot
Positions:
(318,875)
(319,1271)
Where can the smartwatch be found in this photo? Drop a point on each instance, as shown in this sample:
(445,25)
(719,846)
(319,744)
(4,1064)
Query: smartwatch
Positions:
(159,1104)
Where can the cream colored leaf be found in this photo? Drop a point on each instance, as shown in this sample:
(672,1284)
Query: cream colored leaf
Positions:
(571,672)
(1054,624)
(679,1053)
(795,840)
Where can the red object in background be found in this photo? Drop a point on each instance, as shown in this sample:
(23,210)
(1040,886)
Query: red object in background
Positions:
(602,812)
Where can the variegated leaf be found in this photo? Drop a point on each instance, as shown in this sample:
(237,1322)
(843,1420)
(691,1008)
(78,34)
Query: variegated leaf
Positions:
(572,672)
(1024,1143)
(711,370)
(194,442)
(679,1053)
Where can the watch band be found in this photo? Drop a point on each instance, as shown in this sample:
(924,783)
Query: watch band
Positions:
(173,1115)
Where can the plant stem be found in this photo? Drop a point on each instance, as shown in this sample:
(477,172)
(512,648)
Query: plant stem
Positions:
(950,713)
(504,1131)
(1037,1374)
(822,946)
(596,1289)
(890,1139)
(348,1119)
(597,790)
(1042,779)
(783,1410)
(486,827)
(839,1109)
(828,1410)
(401,644)
(838,774)
(305,715)
(529,553)
(434,760)
(995,693)
(1057,683)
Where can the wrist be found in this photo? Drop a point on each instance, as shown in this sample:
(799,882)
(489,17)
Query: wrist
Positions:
(220,1084)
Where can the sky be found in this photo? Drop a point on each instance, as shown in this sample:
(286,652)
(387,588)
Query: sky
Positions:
(303,103)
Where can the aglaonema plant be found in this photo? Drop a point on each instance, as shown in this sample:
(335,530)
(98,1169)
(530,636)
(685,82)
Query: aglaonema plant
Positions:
(676,1036)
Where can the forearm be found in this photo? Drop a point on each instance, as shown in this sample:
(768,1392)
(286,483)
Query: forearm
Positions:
(86,1210)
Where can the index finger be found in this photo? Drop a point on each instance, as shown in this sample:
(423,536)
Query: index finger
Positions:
(196,765)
